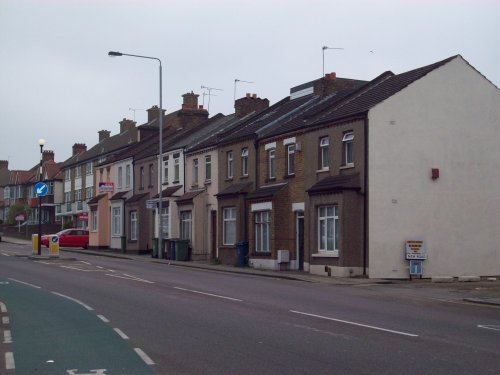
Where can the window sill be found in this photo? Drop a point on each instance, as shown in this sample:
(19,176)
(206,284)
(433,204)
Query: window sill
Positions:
(271,179)
(291,175)
(150,186)
(260,254)
(323,170)
(324,254)
(229,179)
(194,186)
(132,241)
(208,182)
(347,166)
(244,177)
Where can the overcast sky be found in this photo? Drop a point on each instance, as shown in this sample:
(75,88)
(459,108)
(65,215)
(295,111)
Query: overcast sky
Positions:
(57,82)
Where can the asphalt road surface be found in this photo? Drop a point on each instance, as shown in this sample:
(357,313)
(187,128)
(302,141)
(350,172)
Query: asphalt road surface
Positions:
(97,315)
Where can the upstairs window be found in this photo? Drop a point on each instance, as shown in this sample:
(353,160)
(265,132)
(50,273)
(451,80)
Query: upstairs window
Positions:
(127,176)
(244,161)
(67,174)
(271,163)
(229,164)
(120,176)
(195,171)
(208,168)
(176,167)
(141,178)
(348,148)
(90,168)
(151,175)
(324,161)
(290,159)
(165,169)
(78,171)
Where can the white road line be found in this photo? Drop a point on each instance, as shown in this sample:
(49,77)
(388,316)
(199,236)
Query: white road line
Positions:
(25,283)
(74,300)
(103,318)
(121,334)
(3,308)
(355,324)
(144,357)
(5,254)
(494,328)
(139,279)
(7,337)
(130,278)
(87,263)
(208,294)
(75,268)
(9,361)
(5,320)
(101,268)
(39,261)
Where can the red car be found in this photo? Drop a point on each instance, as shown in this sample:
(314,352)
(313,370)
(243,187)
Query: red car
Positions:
(69,238)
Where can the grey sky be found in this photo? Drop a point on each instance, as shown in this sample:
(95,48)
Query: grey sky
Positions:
(57,82)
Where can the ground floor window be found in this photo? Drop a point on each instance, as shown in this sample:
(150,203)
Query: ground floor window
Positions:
(133,225)
(229,227)
(116,221)
(93,220)
(186,225)
(164,221)
(262,230)
(328,228)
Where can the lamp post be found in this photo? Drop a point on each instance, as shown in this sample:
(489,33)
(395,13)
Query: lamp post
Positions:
(324,48)
(160,146)
(41,142)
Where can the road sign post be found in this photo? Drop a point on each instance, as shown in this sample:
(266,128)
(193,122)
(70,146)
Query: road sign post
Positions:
(54,246)
(41,190)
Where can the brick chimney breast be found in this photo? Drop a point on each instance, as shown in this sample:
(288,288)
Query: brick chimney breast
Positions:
(153,113)
(79,148)
(248,104)
(48,155)
(103,134)
(126,124)
(4,164)
(190,100)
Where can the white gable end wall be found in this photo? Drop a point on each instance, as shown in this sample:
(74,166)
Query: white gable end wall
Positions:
(449,119)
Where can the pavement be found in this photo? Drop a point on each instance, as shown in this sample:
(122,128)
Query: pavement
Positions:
(480,292)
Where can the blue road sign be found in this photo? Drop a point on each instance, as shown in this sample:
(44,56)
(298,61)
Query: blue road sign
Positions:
(41,189)
(416,267)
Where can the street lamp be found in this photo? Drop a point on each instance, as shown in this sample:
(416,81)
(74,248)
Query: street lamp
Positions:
(41,142)
(160,159)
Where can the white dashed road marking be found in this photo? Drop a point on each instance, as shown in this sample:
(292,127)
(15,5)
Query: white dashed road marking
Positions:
(9,361)
(208,294)
(494,328)
(121,334)
(144,357)
(7,337)
(103,318)
(25,283)
(74,300)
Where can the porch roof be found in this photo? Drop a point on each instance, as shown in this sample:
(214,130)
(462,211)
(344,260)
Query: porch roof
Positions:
(266,191)
(96,199)
(119,195)
(136,197)
(235,189)
(168,192)
(188,196)
(336,184)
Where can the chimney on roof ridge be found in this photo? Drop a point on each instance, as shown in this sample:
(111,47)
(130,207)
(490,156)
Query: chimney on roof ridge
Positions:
(4,164)
(190,100)
(249,103)
(103,134)
(153,113)
(330,84)
(48,155)
(126,124)
(79,148)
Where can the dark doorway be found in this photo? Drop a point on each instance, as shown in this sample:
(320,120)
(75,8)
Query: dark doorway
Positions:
(300,240)
(213,221)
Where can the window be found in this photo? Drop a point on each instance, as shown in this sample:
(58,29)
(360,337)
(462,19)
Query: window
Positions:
(195,171)
(244,161)
(133,225)
(78,195)
(67,174)
(67,199)
(141,178)
(89,193)
(186,225)
(50,184)
(93,220)
(151,175)
(229,227)
(101,172)
(348,146)
(108,174)
(229,158)
(290,160)
(164,221)
(271,163)
(120,176)
(262,224)
(208,168)
(90,167)
(78,171)
(127,176)
(176,167)
(165,170)
(116,221)
(328,228)
(323,153)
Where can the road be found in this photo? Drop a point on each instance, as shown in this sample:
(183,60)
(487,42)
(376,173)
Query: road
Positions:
(154,318)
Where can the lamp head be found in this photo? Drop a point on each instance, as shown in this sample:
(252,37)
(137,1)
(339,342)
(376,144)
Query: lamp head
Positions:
(41,141)
(114,54)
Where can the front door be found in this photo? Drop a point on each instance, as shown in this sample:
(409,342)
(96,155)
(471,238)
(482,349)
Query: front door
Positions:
(300,239)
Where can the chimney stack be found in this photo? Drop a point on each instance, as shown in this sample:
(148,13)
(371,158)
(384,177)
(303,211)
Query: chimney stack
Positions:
(103,134)
(330,84)
(48,155)
(190,100)
(153,113)
(126,124)
(4,164)
(250,103)
(78,148)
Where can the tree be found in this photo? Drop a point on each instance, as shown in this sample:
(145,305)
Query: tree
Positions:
(15,210)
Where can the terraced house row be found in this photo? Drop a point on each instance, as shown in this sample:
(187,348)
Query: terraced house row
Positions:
(334,179)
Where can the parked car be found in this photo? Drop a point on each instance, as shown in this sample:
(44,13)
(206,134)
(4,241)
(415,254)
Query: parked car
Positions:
(69,238)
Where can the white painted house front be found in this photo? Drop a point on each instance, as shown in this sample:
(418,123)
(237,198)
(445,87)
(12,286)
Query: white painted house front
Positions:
(449,121)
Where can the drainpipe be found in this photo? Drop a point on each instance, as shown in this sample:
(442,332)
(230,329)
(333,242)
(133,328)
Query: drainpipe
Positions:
(365,198)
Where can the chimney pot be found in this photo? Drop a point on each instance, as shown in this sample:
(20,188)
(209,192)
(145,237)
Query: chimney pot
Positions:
(248,95)
(254,96)
(78,148)
(103,134)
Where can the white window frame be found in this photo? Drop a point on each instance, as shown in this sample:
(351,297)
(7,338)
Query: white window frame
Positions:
(229,225)
(133,225)
(324,144)
(229,157)
(328,229)
(244,161)
(93,222)
(164,222)
(208,168)
(271,163)
(127,176)
(67,174)
(290,159)
(89,168)
(120,177)
(78,171)
(348,145)
(195,171)
(186,225)
(116,218)
(141,177)
(262,222)
(89,193)
(165,170)
(176,167)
